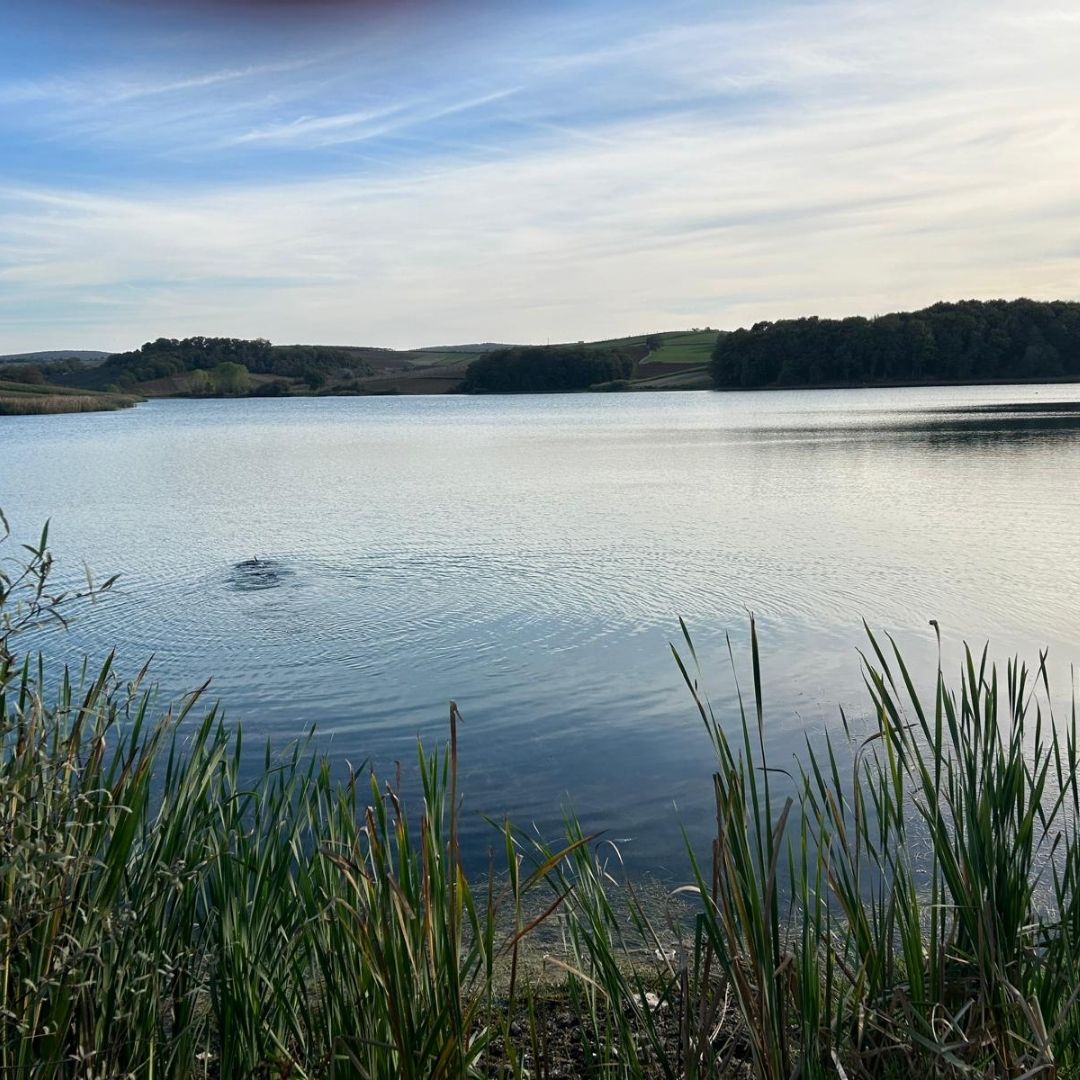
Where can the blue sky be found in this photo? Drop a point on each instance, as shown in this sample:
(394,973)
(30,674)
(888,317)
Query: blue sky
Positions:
(426,173)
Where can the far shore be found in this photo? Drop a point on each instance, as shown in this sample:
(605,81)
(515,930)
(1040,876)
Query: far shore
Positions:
(35,401)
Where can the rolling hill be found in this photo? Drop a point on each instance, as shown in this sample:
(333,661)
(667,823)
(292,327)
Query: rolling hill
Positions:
(195,367)
(87,356)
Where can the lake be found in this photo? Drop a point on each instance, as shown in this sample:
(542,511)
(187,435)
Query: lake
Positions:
(529,557)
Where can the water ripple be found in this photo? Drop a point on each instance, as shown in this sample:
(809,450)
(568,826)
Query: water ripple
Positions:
(356,563)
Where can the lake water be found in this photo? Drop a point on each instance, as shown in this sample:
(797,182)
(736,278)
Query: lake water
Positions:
(530,556)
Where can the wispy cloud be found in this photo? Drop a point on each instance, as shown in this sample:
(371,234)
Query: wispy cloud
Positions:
(115,88)
(305,127)
(339,128)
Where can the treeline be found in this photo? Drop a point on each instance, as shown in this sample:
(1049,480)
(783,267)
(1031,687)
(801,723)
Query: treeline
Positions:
(39,374)
(948,342)
(546,369)
(166,357)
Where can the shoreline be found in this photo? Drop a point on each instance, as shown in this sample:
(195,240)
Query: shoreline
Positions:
(902,385)
(71,403)
(644,390)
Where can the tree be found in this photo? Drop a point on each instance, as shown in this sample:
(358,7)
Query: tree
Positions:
(231,379)
(201,383)
(28,374)
(963,341)
(168,356)
(545,369)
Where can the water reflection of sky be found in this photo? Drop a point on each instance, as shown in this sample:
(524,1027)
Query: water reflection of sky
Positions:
(529,557)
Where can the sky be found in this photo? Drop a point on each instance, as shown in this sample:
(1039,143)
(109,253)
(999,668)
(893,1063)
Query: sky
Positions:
(425,173)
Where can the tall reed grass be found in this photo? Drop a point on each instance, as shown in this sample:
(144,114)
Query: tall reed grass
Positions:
(902,904)
(21,399)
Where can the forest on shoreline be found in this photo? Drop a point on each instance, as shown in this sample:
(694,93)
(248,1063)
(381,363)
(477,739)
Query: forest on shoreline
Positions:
(970,341)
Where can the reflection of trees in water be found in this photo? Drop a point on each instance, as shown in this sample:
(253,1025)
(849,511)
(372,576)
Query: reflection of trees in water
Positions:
(981,427)
(966,429)
(1049,408)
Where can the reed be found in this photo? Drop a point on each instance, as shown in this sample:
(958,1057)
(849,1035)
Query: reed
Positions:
(164,914)
(931,882)
(902,903)
(20,399)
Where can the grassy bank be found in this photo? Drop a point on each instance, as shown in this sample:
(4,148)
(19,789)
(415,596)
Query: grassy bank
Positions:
(23,399)
(905,905)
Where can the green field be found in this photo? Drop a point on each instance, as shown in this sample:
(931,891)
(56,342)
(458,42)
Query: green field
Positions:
(678,346)
(694,347)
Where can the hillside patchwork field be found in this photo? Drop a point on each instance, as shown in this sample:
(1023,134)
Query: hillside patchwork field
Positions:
(199,367)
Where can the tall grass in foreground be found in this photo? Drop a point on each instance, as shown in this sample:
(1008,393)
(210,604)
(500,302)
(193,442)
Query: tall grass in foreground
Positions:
(931,921)
(905,904)
(160,915)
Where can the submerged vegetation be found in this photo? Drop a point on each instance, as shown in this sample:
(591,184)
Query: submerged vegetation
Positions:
(903,903)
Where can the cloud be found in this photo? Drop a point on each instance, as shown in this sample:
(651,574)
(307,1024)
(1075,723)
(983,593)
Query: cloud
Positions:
(839,159)
(113,88)
(304,127)
(366,124)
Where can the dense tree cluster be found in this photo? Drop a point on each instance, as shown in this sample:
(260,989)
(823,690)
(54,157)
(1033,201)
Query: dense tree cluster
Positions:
(36,374)
(29,374)
(167,356)
(970,340)
(228,379)
(313,363)
(545,369)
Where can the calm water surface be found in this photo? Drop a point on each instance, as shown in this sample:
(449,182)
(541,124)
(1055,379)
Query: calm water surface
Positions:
(530,557)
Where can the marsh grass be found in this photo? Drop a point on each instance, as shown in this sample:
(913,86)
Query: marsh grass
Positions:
(930,923)
(160,915)
(902,904)
(19,399)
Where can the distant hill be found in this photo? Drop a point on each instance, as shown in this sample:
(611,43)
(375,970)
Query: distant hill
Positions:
(204,366)
(486,346)
(87,356)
